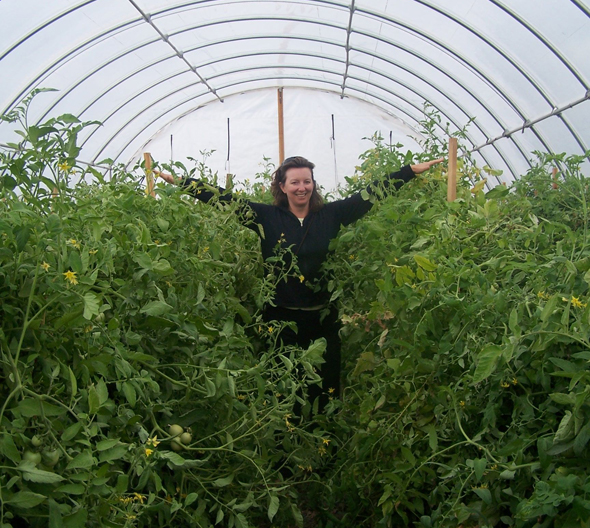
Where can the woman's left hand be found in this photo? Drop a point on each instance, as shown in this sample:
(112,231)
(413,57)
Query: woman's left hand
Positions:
(424,166)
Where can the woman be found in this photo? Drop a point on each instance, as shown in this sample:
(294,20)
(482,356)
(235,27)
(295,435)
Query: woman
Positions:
(303,225)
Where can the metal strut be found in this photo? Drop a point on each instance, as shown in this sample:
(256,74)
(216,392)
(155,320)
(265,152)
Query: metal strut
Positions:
(178,53)
(347,64)
(530,122)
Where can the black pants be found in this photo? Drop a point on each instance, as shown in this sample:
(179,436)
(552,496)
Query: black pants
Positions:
(310,326)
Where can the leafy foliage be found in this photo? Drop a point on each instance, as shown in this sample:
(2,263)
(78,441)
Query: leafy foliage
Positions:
(141,388)
(467,329)
(123,315)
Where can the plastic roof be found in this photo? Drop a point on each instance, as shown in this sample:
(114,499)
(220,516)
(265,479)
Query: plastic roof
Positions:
(518,68)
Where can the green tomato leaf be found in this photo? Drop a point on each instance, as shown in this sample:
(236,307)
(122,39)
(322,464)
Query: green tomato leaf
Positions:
(479,466)
(130,393)
(273,507)
(30,407)
(563,399)
(72,489)
(486,362)
(582,439)
(549,308)
(223,482)
(82,461)
(484,494)
(32,474)
(565,431)
(163,267)
(409,456)
(424,263)
(71,432)
(77,519)
(8,448)
(156,308)
(25,499)
(315,352)
(91,305)
(73,382)
(190,498)
(144,260)
(103,445)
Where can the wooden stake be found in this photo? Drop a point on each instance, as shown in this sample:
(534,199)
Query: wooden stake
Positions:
(281,126)
(452,179)
(149,175)
(554,185)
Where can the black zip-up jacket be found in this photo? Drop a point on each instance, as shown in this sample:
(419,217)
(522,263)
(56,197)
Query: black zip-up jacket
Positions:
(309,241)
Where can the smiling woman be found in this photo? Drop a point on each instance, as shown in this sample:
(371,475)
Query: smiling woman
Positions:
(298,229)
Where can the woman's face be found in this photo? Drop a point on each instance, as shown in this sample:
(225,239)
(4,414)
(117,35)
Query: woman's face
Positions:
(298,186)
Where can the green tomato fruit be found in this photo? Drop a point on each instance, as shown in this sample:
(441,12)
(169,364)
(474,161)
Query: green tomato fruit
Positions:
(186,438)
(176,446)
(51,458)
(31,456)
(36,441)
(175,430)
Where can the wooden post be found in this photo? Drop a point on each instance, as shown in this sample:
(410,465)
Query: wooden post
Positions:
(149,175)
(554,185)
(281,126)
(452,179)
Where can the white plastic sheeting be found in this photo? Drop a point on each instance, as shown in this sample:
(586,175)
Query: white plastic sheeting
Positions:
(325,129)
(519,68)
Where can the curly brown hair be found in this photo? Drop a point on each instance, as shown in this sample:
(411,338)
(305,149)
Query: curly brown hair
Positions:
(316,202)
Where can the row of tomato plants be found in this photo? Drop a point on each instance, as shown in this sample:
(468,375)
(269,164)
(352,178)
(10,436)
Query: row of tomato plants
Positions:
(140,386)
(467,332)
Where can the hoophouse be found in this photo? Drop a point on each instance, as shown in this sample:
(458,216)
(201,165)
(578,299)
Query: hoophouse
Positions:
(412,353)
(238,81)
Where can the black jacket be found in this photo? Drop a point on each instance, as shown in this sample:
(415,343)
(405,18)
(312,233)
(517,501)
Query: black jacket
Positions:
(309,241)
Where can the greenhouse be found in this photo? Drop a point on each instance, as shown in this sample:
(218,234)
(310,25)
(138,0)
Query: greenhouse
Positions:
(298,263)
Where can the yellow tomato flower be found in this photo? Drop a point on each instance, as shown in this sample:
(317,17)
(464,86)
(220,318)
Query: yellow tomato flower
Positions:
(577,303)
(326,441)
(148,451)
(64,166)
(45,266)
(301,278)
(270,329)
(331,390)
(462,403)
(139,497)
(71,276)
(153,441)
(93,251)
